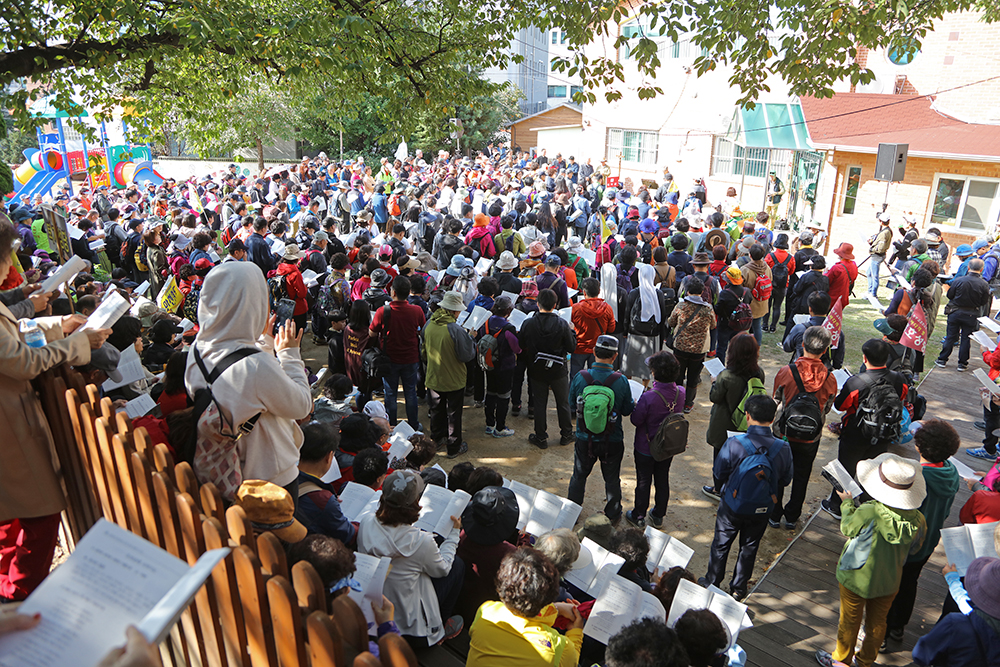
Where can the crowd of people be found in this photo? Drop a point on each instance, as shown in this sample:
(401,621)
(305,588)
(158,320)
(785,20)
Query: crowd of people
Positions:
(460,278)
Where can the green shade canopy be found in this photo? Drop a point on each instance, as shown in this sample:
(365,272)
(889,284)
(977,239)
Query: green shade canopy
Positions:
(47,107)
(770,125)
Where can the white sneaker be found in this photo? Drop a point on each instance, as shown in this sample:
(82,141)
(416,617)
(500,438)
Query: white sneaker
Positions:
(490,430)
(504,433)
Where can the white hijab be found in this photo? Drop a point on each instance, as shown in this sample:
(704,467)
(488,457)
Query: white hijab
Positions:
(609,286)
(650,304)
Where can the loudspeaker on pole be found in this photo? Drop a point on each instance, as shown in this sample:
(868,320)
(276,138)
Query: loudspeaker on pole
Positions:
(890,163)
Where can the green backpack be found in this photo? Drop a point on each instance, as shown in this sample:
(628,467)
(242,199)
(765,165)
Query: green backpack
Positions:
(755,387)
(595,404)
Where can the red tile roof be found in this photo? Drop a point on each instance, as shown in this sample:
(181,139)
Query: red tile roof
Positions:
(864,120)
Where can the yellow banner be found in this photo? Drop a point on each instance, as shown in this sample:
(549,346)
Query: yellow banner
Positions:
(170,298)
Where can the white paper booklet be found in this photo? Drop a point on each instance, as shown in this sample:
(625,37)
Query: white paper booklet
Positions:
(141,289)
(541,511)
(437,506)
(333,474)
(619,604)
(130,366)
(404,429)
(692,596)
(873,300)
(112,308)
(483,266)
(964,544)
(964,471)
(476,319)
(841,375)
(594,568)
(985,380)
(837,470)
(517,318)
(64,273)
(990,324)
(358,500)
(714,366)
(588,256)
(984,340)
(139,406)
(399,447)
(112,580)
(370,572)
(511,296)
(636,389)
(310,277)
(801,318)
(665,551)
(566,314)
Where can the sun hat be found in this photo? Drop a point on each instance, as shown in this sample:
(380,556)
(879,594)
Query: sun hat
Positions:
(344,185)
(375,409)
(491,516)
(452,301)
(844,251)
(412,263)
(734,276)
(402,488)
(574,244)
(292,252)
(364,215)
(979,244)
(806,238)
(536,250)
(701,259)
(893,480)
(380,278)
(883,217)
(507,261)
(649,226)
(963,250)
(982,581)
(781,241)
(456,266)
(270,508)
(814,225)
(932,238)
(816,262)
(529,289)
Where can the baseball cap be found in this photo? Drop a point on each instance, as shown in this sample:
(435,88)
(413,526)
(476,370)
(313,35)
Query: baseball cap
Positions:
(606,342)
(402,488)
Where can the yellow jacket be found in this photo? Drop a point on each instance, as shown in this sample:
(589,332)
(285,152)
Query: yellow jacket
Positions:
(501,638)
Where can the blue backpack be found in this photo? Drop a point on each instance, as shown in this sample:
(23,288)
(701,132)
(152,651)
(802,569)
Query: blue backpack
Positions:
(752,489)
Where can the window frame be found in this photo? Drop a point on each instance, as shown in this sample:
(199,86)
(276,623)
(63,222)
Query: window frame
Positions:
(847,180)
(616,142)
(554,97)
(994,212)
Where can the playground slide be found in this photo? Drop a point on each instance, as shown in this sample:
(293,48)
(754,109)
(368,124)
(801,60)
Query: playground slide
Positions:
(40,183)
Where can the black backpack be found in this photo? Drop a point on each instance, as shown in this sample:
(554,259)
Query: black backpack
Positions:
(802,418)
(508,243)
(779,272)
(880,412)
(637,325)
(669,301)
(374,361)
(672,434)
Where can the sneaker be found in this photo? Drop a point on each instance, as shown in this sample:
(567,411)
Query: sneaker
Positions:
(963,367)
(737,594)
(832,511)
(538,442)
(981,453)
(453,627)
(638,522)
(774,524)
(711,354)
(980,425)
(826,660)
(515,411)
(490,430)
(567,440)
(478,404)
(687,409)
(461,450)
(711,493)
(656,521)
(791,525)
(503,433)
(940,364)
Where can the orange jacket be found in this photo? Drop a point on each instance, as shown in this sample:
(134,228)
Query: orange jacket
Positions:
(591,318)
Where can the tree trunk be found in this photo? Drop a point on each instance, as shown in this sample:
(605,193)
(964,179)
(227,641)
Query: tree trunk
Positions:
(260,155)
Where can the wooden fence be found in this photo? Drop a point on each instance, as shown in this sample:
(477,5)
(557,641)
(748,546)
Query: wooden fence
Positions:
(254,611)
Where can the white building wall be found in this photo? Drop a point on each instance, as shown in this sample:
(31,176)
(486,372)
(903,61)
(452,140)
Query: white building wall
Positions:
(564,140)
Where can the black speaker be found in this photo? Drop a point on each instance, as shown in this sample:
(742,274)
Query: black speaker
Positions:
(890,163)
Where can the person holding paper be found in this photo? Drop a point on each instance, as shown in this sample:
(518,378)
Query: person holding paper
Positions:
(500,378)
(506,272)
(517,630)
(936,441)
(747,497)
(967,297)
(647,641)
(819,306)
(589,392)
(662,400)
(31,495)
(488,521)
(448,348)
(878,247)
(807,374)
(318,507)
(881,534)
(550,279)
(425,580)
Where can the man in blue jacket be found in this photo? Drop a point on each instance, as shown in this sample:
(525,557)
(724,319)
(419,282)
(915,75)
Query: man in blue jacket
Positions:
(749,493)
(608,447)
(316,505)
(258,249)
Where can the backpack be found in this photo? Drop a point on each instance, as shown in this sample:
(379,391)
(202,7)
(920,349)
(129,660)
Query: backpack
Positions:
(508,243)
(604,255)
(880,412)
(393,207)
(488,348)
(761,290)
(625,278)
(779,272)
(669,301)
(755,387)
(213,452)
(190,306)
(277,289)
(374,361)
(752,489)
(671,436)
(802,418)
(304,262)
(595,405)
(139,257)
(636,323)
(742,316)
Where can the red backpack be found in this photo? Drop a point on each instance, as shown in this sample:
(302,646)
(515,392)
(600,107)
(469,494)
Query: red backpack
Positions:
(394,209)
(761,290)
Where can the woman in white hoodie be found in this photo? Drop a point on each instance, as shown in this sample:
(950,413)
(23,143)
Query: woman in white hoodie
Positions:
(425,579)
(233,315)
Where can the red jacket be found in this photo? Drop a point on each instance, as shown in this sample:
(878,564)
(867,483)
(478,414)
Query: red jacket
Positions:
(295,285)
(842,276)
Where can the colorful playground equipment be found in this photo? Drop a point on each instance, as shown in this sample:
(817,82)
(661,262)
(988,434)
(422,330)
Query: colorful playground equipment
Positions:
(118,166)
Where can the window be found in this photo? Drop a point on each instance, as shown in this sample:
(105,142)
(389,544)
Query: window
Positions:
(555,36)
(573,90)
(851,190)
(563,38)
(902,54)
(965,201)
(557,91)
(634,146)
(631,32)
(730,159)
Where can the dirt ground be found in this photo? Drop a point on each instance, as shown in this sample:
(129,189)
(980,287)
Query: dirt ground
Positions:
(690,514)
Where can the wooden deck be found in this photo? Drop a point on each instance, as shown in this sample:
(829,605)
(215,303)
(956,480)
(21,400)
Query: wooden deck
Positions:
(797,604)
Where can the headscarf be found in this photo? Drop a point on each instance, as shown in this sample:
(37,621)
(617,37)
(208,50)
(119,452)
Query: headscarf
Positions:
(650,304)
(609,286)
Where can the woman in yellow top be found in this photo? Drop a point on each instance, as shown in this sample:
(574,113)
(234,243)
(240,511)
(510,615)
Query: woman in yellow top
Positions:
(518,632)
